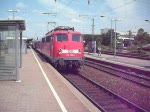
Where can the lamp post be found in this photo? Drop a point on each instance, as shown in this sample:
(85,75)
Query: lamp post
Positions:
(115,36)
(13,11)
(115,41)
(0,43)
(111,37)
(111,33)
(85,16)
(93,29)
(93,42)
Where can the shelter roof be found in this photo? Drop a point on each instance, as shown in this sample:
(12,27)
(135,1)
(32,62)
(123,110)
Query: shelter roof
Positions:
(4,24)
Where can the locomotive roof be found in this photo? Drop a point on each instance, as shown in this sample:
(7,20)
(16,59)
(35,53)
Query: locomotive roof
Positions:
(63,32)
(62,28)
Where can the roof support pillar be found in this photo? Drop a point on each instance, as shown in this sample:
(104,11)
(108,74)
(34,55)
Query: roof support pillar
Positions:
(17,52)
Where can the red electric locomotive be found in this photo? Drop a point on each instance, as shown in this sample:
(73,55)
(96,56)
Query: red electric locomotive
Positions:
(64,47)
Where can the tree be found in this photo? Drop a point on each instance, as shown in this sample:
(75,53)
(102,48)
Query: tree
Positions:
(140,31)
(142,37)
(106,39)
(97,38)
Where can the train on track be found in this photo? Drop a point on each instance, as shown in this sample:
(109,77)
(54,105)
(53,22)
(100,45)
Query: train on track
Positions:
(63,46)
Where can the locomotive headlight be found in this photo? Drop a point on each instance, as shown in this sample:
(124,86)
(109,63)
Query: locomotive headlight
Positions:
(79,51)
(60,51)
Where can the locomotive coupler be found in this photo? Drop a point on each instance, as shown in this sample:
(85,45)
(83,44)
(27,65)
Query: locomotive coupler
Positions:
(61,62)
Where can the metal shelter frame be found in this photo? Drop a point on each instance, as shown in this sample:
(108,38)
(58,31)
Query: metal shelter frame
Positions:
(19,26)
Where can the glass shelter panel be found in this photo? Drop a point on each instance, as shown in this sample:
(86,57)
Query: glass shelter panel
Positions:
(8,49)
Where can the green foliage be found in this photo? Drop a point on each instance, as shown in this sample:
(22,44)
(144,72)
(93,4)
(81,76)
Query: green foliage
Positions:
(104,40)
(101,40)
(97,38)
(134,49)
(142,37)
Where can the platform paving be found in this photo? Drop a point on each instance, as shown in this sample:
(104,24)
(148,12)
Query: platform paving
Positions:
(133,62)
(32,93)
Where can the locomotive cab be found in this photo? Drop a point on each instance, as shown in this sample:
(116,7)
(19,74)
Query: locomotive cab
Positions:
(69,50)
(63,47)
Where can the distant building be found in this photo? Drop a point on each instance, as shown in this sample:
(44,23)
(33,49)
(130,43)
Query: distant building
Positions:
(105,30)
(127,35)
(122,35)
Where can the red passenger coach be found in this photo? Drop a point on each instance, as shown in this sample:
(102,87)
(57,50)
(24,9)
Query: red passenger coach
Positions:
(37,45)
(64,47)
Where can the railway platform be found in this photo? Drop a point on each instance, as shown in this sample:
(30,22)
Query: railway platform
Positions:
(41,89)
(126,61)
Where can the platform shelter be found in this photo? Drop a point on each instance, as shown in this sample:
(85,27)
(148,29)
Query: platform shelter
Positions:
(10,51)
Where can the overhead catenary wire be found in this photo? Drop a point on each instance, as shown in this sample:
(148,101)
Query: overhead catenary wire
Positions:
(62,9)
(148,3)
(119,6)
(63,12)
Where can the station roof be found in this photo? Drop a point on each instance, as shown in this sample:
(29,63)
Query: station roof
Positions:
(11,38)
(5,23)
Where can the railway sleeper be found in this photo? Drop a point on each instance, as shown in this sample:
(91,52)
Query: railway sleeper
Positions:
(99,97)
(78,83)
(110,102)
(94,89)
(123,110)
(96,94)
(102,99)
(90,88)
(115,107)
(83,84)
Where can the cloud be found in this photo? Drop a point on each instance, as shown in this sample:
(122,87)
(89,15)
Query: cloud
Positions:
(131,14)
(61,8)
(42,24)
(21,5)
(76,21)
(19,18)
(46,2)
(16,18)
(121,9)
(37,11)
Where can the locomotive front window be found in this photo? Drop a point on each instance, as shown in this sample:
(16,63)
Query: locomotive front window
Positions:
(76,38)
(62,38)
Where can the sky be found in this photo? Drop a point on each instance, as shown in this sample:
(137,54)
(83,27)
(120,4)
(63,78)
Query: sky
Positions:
(129,15)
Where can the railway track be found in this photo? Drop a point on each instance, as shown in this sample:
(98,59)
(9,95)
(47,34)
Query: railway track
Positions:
(130,55)
(103,98)
(143,80)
